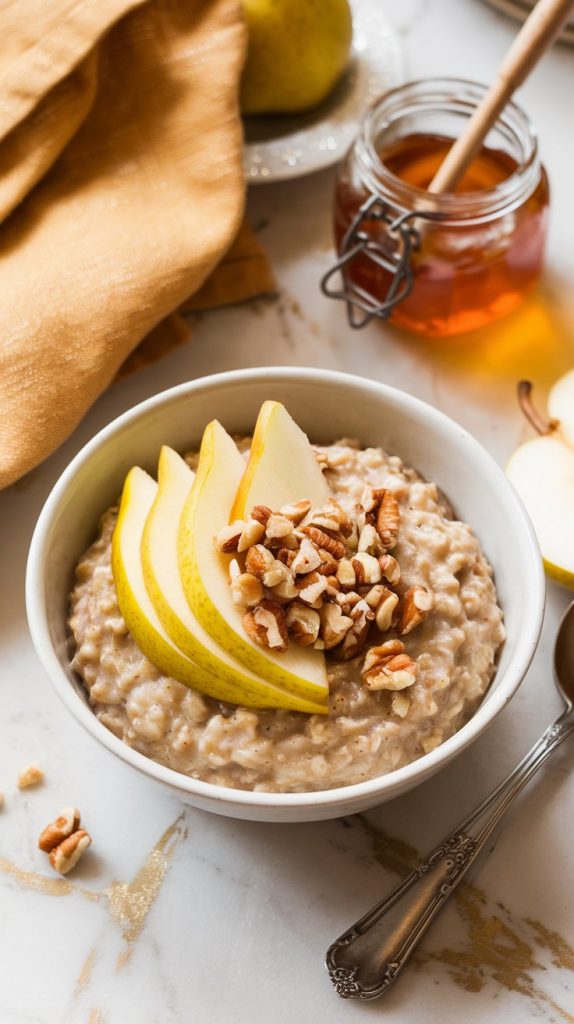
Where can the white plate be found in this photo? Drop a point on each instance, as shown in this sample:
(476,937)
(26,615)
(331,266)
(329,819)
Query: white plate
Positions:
(277,147)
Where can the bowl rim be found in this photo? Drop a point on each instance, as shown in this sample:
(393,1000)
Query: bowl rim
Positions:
(397,780)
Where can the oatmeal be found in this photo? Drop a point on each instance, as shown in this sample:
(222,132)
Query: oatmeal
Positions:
(368,731)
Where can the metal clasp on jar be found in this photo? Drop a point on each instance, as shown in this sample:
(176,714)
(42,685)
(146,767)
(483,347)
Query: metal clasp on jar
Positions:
(395,258)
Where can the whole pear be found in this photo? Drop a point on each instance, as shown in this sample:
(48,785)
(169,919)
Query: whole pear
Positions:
(297,51)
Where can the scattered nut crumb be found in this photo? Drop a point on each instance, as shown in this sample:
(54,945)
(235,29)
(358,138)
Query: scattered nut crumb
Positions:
(31,775)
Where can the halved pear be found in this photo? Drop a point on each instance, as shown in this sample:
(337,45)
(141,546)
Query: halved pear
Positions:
(542,471)
(133,599)
(205,574)
(230,681)
(561,405)
(282,466)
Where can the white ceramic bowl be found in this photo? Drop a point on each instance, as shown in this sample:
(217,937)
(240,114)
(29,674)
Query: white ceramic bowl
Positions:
(328,406)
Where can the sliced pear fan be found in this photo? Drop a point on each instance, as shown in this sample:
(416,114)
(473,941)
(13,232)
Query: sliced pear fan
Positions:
(230,681)
(205,571)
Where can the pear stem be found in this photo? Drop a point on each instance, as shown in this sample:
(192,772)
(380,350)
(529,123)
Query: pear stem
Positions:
(532,415)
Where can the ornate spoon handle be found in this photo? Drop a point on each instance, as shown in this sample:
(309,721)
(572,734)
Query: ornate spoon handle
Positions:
(366,959)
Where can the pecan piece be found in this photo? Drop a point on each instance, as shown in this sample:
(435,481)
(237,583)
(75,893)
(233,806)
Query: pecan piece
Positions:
(311,588)
(68,821)
(307,558)
(303,623)
(251,535)
(66,855)
(266,625)
(390,569)
(387,519)
(334,625)
(336,548)
(278,528)
(261,513)
(346,573)
(387,667)
(246,590)
(328,565)
(227,539)
(296,511)
(355,639)
(31,775)
(367,568)
(262,563)
(416,604)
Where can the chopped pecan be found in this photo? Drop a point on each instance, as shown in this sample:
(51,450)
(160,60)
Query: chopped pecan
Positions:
(246,590)
(252,533)
(334,625)
(387,667)
(66,855)
(31,775)
(262,563)
(387,519)
(390,569)
(261,513)
(354,640)
(348,601)
(307,558)
(336,548)
(328,565)
(227,539)
(367,568)
(371,499)
(415,606)
(369,540)
(278,528)
(286,555)
(346,573)
(68,821)
(311,588)
(266,625)
(385,610)
(303,623)
(296,511)
(285,591)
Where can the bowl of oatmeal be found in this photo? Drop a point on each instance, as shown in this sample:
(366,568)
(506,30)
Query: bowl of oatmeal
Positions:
(462,581)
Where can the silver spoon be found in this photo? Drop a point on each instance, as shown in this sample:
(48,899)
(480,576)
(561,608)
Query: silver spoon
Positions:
(365,960)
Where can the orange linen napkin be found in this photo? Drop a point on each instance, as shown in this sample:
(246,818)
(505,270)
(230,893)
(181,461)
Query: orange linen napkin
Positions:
(120,189)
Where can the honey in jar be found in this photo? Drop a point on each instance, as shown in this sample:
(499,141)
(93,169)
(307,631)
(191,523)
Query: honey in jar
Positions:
(473,253)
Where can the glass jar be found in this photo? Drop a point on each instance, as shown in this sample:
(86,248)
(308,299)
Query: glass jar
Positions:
(438,264)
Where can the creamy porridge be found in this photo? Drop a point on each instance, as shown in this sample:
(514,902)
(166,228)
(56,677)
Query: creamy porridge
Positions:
(365,733)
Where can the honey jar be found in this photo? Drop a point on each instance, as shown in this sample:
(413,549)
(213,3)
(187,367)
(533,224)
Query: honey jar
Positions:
(437,264)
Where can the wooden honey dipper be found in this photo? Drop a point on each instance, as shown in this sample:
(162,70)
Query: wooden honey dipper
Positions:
(533,39)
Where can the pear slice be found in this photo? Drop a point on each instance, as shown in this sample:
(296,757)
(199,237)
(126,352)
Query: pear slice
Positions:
(282,467)
(542,471)
(135,605)
(229,680)
(205,574)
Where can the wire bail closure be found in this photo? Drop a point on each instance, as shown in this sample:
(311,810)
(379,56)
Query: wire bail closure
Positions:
(361,305)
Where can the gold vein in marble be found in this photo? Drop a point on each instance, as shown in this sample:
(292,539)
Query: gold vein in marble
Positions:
(131,902)
(41,883)
(85,975)
(497,947)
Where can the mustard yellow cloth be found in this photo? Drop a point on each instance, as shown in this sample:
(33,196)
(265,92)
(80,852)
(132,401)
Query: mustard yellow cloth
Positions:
(120,190)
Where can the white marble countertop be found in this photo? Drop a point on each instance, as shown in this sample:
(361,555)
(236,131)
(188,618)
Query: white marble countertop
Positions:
(178,915)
